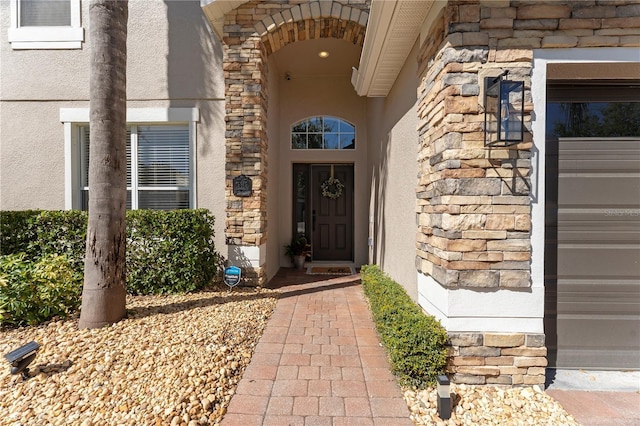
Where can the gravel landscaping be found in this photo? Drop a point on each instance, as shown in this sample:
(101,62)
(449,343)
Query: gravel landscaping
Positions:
(489,405)
(176,360)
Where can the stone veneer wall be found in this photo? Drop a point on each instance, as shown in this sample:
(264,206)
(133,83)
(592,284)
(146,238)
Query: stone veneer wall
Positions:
(498,358)
(251,33)
(474,202)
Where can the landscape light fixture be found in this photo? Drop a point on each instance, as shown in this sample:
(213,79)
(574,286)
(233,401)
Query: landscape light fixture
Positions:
(444,397)
(503,110)
(21,358)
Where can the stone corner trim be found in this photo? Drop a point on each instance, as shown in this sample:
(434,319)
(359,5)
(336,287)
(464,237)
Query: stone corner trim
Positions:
(514,359)
(474,201)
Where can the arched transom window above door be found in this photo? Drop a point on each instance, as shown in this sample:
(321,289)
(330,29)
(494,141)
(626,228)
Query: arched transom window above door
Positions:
(324,132)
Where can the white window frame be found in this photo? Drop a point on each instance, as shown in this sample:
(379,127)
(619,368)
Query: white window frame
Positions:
(74,118)
(62,37)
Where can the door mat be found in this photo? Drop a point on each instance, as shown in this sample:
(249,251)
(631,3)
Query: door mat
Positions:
(330,270)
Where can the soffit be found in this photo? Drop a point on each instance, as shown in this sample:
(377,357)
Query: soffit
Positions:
(215,10)
(393,28)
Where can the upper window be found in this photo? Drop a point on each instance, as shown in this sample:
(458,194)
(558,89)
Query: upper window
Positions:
(45,24)
(323,133)
(158,167)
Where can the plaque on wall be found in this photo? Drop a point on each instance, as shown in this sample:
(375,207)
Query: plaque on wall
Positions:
(242,186)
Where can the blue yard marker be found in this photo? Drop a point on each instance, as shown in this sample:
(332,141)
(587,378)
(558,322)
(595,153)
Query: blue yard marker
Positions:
(232,276)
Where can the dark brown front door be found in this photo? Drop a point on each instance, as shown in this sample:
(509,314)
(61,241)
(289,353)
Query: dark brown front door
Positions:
(332,218)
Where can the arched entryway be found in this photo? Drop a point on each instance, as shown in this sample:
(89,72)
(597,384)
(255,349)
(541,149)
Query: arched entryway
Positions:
(253,33)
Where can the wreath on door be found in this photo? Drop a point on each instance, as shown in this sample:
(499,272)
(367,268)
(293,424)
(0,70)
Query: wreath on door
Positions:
(332,187)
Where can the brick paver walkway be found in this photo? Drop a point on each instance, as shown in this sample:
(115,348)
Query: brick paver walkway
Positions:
(593,408)
(319,361)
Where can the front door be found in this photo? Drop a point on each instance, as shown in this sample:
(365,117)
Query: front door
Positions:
(332,212)
(323,209)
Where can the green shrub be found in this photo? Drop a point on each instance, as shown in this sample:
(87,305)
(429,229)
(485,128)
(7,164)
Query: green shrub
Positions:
(17,230)
(416,342)
(169,251)
(33,292)
(62,233)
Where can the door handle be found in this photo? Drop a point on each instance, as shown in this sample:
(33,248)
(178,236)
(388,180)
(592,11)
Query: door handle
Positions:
(313,220)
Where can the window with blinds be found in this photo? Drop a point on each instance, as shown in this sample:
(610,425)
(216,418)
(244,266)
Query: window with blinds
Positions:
(45,24)
(158,167)
(44,13)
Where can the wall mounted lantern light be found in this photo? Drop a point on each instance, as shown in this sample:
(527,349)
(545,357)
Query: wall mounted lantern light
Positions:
(503,110)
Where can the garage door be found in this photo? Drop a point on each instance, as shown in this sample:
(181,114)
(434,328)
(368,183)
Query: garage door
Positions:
(597,239)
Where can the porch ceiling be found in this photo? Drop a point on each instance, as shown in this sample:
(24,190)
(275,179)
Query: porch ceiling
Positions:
(393,28)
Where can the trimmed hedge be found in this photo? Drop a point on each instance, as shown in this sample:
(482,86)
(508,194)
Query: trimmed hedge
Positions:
(416,342)
(167,251)
(60,232)
(170,252)
(17,230)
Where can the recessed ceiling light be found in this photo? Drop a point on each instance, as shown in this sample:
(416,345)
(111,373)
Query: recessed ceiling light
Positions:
(323,54)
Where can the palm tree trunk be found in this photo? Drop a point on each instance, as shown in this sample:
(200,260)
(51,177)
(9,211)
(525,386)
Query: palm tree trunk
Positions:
(103,294)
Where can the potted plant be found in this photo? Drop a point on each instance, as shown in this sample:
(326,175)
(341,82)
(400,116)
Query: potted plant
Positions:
(298,250)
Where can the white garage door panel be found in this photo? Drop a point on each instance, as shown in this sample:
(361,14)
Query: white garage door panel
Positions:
(599,191)
(606,262)
(609,340)
(583,358)
(598,253)
(599,232)
(585,300)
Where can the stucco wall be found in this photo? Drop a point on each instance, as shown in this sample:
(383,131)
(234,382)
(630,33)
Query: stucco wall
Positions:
(31,156)
(171,54)
(393,150)
(274,191)
(31,135)
(174,60)
(43,74)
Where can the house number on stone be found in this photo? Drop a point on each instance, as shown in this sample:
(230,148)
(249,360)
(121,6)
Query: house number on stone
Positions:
(242,186)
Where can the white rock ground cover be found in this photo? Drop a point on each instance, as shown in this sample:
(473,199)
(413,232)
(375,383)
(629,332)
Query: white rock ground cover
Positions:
(177,360)
(174,360)
(489,405)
